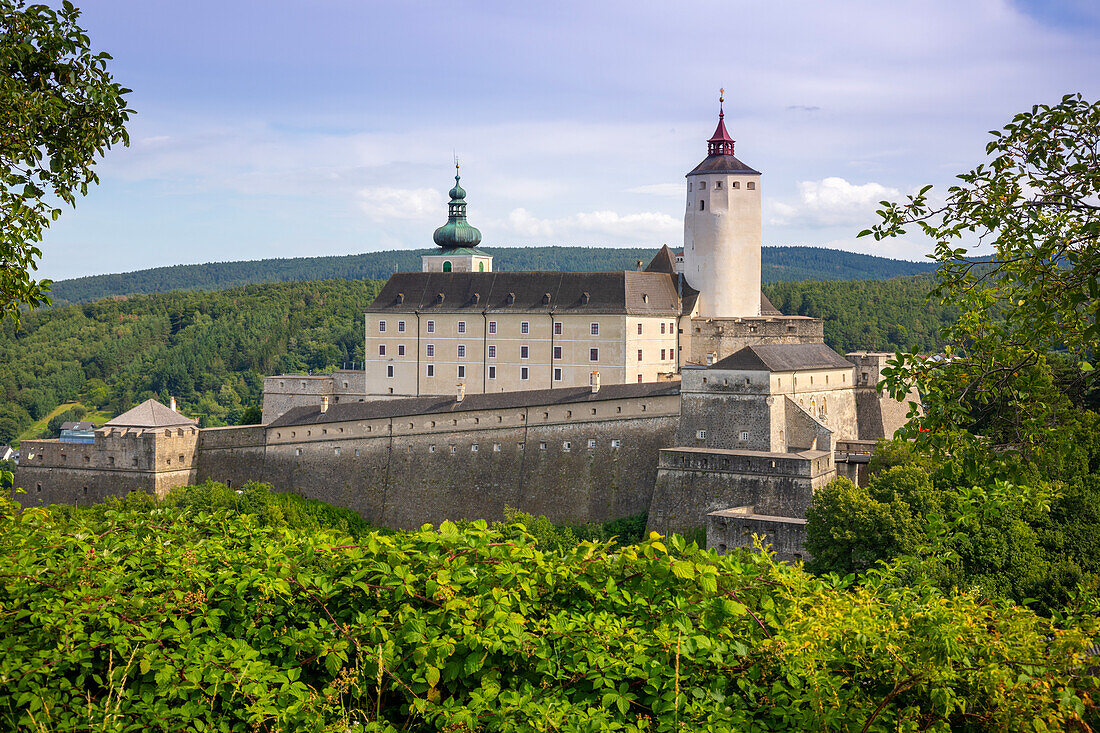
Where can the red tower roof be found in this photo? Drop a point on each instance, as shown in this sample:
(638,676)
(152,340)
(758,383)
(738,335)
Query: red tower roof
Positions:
(720,143)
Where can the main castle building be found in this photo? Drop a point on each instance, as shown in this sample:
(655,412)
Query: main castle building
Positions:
(676,389)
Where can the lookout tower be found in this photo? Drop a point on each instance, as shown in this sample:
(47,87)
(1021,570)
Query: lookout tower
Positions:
(457,239)
(722,230)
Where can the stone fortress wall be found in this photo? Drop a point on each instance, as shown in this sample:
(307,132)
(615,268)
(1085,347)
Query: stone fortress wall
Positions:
(119,461)
(590,460)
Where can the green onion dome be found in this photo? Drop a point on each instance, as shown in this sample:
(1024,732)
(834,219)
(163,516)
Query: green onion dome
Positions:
(457,232)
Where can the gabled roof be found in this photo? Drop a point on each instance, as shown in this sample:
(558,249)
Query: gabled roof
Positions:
(558,292)
(782,358)
(347,411)
(723,164)
(662,262)
(150,414)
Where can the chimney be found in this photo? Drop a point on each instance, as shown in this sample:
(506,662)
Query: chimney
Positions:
(640,264)
(461,393)
(594,381)
(172,404)
(324,404)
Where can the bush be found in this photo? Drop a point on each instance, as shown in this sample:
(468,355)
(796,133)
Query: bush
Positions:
(194,616)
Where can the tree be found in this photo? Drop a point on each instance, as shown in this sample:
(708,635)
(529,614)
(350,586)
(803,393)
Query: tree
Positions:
(59,111)
(1034,204)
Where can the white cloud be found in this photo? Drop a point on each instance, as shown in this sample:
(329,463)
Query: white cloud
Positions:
(832,202)
(382,204)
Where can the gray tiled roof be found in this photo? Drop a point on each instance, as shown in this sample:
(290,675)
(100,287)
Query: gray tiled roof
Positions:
(150,414)
(348,411)
(557,292)
(723,164)
(783,358)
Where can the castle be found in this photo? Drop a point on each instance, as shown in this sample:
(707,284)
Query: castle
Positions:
(676,389)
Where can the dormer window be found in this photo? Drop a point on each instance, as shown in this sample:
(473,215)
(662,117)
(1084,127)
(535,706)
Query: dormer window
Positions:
(546,298)
(511,300)
(585,297)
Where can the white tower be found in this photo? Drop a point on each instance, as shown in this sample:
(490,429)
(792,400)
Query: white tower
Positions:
(722,231)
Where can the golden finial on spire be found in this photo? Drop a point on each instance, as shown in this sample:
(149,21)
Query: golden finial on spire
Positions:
(721,98)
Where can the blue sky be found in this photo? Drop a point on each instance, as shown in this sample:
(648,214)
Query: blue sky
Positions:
(284,129)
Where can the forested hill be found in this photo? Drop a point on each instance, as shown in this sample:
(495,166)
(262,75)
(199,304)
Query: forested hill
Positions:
(780,264)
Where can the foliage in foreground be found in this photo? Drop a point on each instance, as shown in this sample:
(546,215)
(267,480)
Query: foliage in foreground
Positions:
(165,618)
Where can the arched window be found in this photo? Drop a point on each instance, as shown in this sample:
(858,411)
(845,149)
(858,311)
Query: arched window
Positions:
(481,267)
(446,265)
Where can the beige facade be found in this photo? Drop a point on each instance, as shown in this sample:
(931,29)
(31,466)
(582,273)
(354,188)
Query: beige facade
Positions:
(508,352)
(467,261)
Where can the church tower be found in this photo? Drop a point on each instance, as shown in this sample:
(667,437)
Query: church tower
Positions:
(457,239)
(722,236)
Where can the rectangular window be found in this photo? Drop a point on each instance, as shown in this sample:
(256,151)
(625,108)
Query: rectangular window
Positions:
(524,327)
(566,446)
(639,379)
(557,352)
(717,185)
(492,351)
(430,350)
(557,374)
(639,329)
(593,354)
(616,443)
(735,184)
(431,326)
(431,370)
(751,186)
(381,349)
(389,370)
(639,354)
(702,185)
(401,327)
(672,353)
(462,351)
(461,371)
(473,448)
(381,327)
(594,328)
(492,372)
(542,445)
(662,354)
(524,352)
(401,349)
(744,435)
(523,373)
(492,326)
(591,444)
(462,326)
(662,328)
(700,434)
(557,328)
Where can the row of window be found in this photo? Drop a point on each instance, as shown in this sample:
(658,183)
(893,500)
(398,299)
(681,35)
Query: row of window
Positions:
(524,372)
(702,434)
(524,352)
(566,446)
(524,327)
(750,185)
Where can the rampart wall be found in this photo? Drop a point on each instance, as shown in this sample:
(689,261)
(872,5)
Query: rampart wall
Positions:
(561,461)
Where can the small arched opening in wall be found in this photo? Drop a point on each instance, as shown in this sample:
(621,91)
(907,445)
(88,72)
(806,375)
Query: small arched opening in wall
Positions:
(446,265)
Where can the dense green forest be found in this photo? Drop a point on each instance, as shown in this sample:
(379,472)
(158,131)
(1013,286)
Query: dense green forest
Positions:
(211,351)
(779,264)
(219,610)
